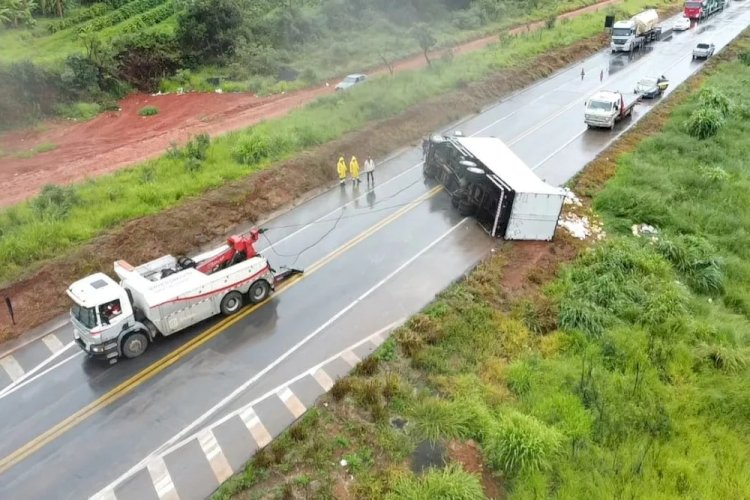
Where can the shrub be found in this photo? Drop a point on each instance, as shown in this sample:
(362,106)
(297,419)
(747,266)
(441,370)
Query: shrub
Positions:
(450,483)
(197,147)
(148,111)
(709,97)
(435,419)
(520,443)
(745,57)
(252,149)
(54,202)
(704,123)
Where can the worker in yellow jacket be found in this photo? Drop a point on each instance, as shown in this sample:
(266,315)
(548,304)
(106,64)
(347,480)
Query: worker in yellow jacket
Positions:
(354,169)
(341,168)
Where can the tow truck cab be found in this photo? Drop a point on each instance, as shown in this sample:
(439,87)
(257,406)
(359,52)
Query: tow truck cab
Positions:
(101,311)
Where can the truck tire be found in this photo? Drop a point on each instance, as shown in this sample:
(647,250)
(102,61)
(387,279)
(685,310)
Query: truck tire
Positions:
(231,303)
(134,344)
(259,291)
(475,175)
(466,208)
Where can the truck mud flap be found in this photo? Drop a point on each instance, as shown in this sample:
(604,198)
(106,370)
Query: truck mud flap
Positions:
(285,275)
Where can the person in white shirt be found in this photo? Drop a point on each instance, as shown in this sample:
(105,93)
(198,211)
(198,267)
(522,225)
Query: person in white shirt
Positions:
(370,169)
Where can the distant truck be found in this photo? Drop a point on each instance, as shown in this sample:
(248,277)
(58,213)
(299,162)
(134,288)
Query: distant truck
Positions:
(636,32)
(487,181)
(167,295)
(605,108)
(698,10)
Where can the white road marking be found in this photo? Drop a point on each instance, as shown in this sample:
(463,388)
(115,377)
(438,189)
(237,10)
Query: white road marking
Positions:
(27,378)
(215,455)
(11,367)
(259,432)
(165,488)
(323,379)
(246,413)
(53,343)
(350,358)
(292,402)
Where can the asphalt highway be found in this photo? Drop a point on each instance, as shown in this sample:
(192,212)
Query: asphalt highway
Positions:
(372,258)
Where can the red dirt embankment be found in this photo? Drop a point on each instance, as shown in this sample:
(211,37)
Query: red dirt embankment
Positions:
(114,140)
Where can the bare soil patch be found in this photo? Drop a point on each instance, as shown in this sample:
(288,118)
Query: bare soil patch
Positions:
(468,455)
(114,140)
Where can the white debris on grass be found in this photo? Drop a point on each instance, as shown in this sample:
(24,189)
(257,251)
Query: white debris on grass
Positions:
(645,230)
(579,226)
(343,463)
(571,198)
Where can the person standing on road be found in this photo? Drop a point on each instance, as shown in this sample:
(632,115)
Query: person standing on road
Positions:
(370,170)
(601,75)
(341,169)
(583,73)
(354,170)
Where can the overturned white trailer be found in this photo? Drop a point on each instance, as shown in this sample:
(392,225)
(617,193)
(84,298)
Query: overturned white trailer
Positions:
(488,181)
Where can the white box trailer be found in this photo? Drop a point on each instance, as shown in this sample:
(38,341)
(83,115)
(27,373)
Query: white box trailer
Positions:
(488,181)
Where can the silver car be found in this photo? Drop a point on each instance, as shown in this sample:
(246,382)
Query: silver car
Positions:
(703,50)
(351,81)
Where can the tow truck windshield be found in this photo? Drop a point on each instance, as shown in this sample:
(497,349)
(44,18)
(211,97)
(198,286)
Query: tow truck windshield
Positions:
(600,105)
(86,315)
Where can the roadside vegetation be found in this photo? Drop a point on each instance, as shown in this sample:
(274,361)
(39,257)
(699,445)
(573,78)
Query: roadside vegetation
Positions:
(63,52)
(609,369)
(30,236)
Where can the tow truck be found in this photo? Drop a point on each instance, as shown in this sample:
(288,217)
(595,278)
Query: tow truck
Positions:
(166,295)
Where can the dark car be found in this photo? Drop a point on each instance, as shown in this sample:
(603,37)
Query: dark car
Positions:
(651,87)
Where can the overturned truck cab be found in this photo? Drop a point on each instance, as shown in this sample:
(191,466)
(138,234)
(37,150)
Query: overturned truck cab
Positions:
(487,181)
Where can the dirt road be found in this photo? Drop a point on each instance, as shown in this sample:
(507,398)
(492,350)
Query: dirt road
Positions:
(114,140)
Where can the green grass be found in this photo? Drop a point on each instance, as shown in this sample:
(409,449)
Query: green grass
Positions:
(638,390)
(41,148)
(79,111)
(148,111)
(162,183)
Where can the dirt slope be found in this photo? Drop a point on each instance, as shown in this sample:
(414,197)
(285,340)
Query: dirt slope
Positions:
(115,140)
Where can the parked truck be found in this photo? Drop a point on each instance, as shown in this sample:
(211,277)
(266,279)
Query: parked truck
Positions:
(487,181)
(112,320)
(700,9)
(636,32)
(605,108)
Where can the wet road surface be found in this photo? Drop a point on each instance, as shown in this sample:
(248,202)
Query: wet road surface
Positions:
(80,426)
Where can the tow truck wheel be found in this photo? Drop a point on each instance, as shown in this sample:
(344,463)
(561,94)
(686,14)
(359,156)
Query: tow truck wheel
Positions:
(134,345)
(259,291)
(231,303)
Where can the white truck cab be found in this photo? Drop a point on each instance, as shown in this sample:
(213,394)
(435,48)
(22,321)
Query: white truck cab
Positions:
(101,310)
(606,107)
(623,36)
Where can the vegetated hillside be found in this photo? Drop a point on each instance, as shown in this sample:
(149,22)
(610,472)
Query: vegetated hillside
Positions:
(623,374)
(95,52)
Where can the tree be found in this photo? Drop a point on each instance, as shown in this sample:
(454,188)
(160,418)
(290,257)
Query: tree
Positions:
(207,30)
(16,12)
(425,39)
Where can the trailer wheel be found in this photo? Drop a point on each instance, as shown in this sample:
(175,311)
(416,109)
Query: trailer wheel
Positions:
(231,303)
(134,345)
(466,209)
(259,291)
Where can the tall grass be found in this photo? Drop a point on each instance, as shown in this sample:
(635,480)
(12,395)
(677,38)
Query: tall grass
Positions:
(109,200)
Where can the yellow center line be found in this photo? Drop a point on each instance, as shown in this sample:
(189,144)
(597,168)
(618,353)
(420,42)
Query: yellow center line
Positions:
(148,373)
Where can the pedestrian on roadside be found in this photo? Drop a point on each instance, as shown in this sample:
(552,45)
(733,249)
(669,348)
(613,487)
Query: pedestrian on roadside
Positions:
(583,73)
(370,170)
(341,169)
(354,170)
(601,75)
